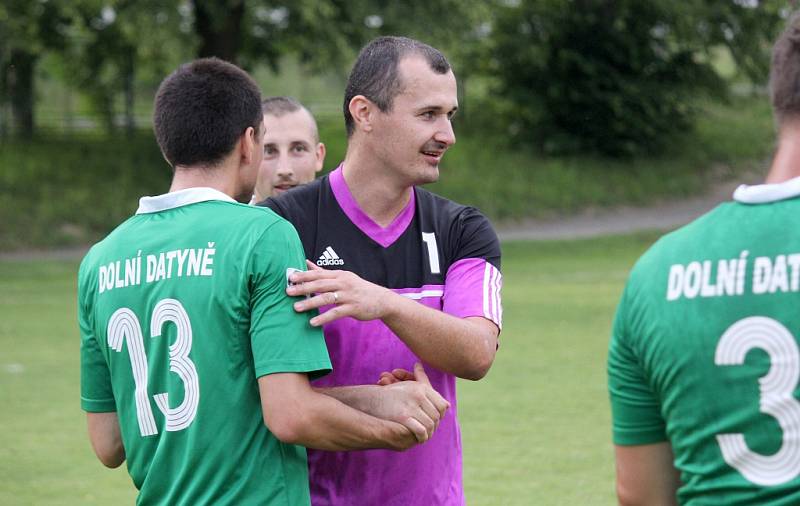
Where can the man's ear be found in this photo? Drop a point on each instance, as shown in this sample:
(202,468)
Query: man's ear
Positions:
(363,112)
(320,156)
(247,143)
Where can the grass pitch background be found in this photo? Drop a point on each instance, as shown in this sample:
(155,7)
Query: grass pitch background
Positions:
(536,430)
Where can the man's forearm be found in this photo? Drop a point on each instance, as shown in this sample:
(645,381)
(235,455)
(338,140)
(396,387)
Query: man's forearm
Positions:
(299,415)
(360,397)
(332,425)
(461,346)
(464,347)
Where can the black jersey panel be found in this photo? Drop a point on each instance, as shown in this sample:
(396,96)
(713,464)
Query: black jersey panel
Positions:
(300,206)
(454,232)
(464,231)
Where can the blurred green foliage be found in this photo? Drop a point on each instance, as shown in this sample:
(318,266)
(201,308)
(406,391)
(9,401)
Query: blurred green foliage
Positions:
(73,190)
(66,190)
(614,77)
(109,49)
(618,77)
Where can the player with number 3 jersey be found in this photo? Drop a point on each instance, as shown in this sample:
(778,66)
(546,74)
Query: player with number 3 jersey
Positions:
(704,363)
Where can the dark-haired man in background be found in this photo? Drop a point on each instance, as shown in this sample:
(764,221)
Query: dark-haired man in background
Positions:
(408,275)
(293,153)
(194,366)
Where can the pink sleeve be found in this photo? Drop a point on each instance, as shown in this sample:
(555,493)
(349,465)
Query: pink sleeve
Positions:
(472,288)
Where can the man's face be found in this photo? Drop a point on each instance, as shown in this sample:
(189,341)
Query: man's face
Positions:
(292,154)
(413,136)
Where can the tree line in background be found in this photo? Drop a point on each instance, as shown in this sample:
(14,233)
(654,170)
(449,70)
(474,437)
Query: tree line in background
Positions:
(615,77)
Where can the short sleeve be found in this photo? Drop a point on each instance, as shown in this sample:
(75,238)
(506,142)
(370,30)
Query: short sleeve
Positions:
(635,408)
(97,395)
(475,238)
(282,339)
(473,281)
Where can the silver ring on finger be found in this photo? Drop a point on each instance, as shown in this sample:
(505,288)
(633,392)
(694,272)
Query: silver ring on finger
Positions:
(335,297)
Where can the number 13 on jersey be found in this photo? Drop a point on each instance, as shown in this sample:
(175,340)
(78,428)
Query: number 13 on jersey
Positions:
(124,325)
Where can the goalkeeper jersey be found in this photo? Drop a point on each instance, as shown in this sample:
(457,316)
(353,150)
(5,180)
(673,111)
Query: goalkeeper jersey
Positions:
(181,309)
(439,253)
(704,352)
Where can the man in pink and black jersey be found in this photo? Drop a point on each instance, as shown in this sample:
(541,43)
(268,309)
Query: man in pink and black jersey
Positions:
(399,274)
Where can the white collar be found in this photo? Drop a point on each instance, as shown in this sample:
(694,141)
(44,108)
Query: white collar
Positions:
(180,198)
(765,193)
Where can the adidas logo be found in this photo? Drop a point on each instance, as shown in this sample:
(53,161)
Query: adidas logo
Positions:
(329,257)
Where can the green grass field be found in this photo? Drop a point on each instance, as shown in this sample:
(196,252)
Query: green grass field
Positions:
(535,430)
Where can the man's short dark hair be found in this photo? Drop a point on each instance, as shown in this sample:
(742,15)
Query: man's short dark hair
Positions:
(375,74)
(784,78)
(202,109)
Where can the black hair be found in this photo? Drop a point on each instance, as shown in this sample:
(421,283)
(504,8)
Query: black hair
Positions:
(375,74)
(201,110)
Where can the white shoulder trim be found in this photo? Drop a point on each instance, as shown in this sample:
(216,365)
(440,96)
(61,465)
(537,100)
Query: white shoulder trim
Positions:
(765,193)
(180,198)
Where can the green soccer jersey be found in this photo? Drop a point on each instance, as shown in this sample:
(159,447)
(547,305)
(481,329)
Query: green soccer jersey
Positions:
(704,352)
(181,309)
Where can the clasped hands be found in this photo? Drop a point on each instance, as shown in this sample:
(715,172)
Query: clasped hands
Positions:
(404,397)
(411,402)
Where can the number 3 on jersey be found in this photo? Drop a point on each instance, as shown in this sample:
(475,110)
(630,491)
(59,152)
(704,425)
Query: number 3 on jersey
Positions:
(777,399)
(123,325)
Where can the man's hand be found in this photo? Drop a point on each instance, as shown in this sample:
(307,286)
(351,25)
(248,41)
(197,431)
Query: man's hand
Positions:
(349,294)
(395,376)
(413,403)
(403,438)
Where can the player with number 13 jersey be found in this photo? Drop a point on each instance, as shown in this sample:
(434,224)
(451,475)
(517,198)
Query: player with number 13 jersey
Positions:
(171,311)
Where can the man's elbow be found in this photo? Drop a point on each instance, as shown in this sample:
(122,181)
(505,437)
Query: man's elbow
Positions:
(624,499)
(478,367)
(481,350)
(288,429)
(629,496)
(104,434)
(112,456)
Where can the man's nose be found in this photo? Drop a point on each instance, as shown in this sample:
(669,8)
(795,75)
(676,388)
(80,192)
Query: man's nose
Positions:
(284,168)
(445,133)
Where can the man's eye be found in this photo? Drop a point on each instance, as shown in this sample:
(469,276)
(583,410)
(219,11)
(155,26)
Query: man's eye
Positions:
(428,114)
(299,148)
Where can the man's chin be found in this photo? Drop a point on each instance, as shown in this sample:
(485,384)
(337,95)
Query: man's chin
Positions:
(430,174)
